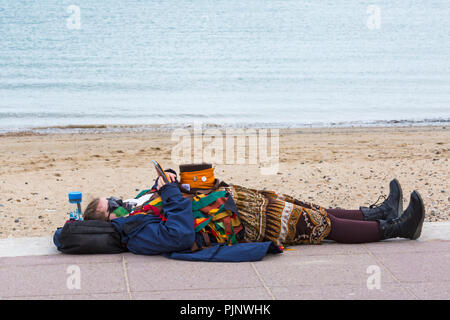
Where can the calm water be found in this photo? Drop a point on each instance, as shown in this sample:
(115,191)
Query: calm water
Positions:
(287,62)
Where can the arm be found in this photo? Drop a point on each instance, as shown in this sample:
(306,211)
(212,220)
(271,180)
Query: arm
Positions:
(146,234)
(178,229)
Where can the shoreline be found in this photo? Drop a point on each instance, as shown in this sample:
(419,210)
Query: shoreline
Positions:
(164,127)
(333,167)
(87,131)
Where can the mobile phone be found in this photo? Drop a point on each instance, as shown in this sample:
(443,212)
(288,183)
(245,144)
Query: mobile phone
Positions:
(161,171)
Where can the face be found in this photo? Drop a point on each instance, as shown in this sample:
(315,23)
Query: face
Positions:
(103,208)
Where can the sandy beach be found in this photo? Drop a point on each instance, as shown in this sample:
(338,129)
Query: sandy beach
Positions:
(333,167)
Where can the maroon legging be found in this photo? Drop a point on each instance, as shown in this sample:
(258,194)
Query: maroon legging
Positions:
(349,226)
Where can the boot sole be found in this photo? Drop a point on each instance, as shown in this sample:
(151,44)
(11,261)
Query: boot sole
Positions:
(400,200)
(422,218)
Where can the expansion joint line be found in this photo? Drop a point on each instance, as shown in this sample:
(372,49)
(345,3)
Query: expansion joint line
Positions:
(125,273)
(262,281)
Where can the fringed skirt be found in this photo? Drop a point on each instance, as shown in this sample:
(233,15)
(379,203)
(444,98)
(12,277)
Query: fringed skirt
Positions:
(267,215)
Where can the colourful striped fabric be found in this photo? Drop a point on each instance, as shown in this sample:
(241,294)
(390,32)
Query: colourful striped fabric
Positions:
(153,206)
(209,215)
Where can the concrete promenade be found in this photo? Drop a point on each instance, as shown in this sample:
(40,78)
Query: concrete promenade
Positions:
(31,268)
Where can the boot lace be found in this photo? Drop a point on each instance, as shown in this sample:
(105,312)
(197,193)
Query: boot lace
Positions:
(375,205)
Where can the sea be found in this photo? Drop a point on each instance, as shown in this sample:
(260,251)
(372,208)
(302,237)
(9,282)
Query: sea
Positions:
(275,63)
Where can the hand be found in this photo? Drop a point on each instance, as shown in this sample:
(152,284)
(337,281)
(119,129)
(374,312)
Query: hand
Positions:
(172,177)
(161,182)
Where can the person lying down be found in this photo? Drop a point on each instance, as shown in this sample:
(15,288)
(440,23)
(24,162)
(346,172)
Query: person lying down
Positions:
(200,217)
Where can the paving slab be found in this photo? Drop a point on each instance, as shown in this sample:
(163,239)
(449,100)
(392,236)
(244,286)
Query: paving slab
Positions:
(15,247)
(84,296)
(326,248)
(30,279)
(319,270)
(417,267)
(342,292)
(435,231)
(402,246)
(429,290)
(60,259)
(258,293)
(157,273)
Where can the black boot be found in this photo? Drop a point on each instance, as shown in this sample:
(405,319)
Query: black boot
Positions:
(391,208)
(409,225)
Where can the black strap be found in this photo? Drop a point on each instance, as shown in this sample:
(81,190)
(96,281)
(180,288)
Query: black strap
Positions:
(217,183)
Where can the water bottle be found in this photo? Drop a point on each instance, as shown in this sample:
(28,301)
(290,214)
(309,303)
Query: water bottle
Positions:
(75,197)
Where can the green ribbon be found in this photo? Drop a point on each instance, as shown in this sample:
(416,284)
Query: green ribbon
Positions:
(202,225)
(206,201)
(120,212)
(142,193)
